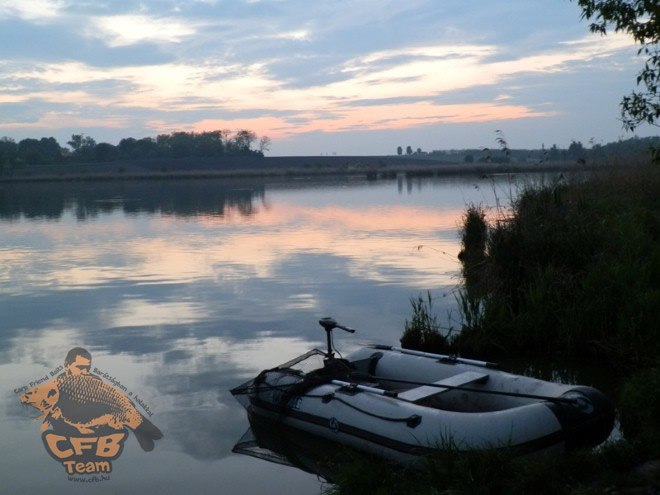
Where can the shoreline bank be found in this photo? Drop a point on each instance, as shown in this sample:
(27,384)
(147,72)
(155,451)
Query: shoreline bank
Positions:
(370,167)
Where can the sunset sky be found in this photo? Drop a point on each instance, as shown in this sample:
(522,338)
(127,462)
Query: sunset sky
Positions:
(347,77)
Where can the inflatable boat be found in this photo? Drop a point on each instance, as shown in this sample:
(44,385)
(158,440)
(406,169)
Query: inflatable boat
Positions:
(401,404)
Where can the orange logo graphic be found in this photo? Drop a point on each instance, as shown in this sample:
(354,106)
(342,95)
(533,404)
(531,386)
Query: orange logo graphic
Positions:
(88,416)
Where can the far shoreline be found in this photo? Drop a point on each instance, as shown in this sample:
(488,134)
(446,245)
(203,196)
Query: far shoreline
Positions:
(370,167)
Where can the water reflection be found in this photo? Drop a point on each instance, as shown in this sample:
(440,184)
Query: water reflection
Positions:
(287,446)
(90,199)
(182,290)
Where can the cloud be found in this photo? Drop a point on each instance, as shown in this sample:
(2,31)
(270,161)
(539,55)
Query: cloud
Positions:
(565,58)
(68,120)
(396,88)
(32,10)
(136,312)
(377,117)
(123,30)
(428,52)
(297,35)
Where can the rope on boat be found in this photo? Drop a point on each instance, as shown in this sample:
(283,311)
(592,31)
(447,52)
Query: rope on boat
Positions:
(412,418)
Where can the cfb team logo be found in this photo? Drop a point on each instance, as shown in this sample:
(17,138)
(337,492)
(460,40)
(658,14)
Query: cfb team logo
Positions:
(88,418)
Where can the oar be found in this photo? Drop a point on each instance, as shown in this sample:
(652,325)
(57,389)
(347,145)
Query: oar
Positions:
(364,388)
(387,393)
(475,362)
(481,390)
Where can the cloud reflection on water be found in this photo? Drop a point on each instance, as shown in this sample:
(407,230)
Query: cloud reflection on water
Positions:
(183,304)
(167,251)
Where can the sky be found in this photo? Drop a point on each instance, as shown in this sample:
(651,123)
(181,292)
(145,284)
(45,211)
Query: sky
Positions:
(345,77)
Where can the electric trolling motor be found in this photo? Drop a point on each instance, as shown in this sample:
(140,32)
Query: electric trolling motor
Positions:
(328,325)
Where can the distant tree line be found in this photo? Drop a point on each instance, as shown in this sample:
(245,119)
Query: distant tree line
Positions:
(83,149)
(409,151)
(623,148)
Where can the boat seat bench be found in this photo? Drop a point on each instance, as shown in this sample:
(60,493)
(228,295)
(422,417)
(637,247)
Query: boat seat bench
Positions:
(418,394)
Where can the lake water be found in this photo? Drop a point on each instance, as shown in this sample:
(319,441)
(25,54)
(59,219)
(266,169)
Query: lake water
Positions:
(181,290)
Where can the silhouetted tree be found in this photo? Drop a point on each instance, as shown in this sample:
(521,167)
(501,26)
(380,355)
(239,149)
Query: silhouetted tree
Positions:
(576,150)
(181,144)
(264,144)
(553,153)
(146,148)
(176,145)
(225,135)
(639,18)
(105,152)
(8,152)
(399,150)
(29,152)
(409,150)
(82,146)
(51,149)
(244,139)
(209,143)
(127,147)
(39,152)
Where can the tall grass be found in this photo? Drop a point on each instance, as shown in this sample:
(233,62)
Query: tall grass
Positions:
(574,270)
(423,331)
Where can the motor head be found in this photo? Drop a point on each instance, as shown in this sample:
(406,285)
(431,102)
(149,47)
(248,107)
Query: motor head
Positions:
(328,325)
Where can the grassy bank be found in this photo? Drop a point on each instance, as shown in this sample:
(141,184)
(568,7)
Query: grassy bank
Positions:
(573,270)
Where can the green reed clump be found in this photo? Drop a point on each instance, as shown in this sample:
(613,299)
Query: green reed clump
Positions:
(423,331)
(474,239)
(575,269)
(474,235)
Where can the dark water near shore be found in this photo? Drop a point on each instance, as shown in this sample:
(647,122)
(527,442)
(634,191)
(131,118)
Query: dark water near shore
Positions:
(182,290)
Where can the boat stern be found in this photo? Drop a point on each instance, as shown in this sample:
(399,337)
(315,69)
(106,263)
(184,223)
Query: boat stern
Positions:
(587,420)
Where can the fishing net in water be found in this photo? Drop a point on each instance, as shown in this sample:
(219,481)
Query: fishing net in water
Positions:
(279,444)
(249,445)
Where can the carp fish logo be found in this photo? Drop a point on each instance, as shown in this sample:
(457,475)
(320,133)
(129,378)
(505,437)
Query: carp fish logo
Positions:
(89,418)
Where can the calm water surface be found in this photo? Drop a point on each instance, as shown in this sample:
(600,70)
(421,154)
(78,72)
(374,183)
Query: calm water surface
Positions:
(183,290)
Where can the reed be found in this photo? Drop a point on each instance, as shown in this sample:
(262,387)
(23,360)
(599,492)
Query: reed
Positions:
(423,331)
(575,270)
